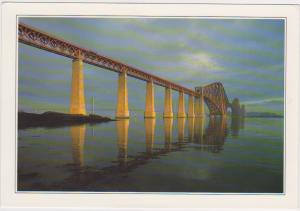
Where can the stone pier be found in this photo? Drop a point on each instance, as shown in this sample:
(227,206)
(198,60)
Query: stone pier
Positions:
(168,108)
(122,104)
(149,106)
(199,105)
(181,108)
(77,105)
(191,112)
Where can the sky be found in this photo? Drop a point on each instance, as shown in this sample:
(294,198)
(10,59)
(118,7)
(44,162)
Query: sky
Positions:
(245,55)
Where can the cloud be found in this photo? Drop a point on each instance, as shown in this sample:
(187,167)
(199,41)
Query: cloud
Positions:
(200,61)
(264,101)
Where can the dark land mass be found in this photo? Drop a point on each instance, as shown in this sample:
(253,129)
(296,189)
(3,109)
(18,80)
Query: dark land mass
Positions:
(55,119)
(263,115)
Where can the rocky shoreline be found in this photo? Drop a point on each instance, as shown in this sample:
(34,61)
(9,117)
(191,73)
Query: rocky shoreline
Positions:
(56,119)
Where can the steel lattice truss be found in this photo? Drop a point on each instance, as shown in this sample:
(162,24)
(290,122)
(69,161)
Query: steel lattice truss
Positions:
(215,98)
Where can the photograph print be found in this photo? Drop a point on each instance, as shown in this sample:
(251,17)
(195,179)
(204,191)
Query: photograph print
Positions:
(151,104)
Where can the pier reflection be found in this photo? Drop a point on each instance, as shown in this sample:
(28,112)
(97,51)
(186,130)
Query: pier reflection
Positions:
(191,126)
(215,134)
(181,129)
(210,139)
(150,134)
(168,131)
(199,130)
(237,123)
(122,140)
(78,138)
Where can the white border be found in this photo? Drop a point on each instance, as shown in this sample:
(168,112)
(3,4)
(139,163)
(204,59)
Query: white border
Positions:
(182,193)
(10,198)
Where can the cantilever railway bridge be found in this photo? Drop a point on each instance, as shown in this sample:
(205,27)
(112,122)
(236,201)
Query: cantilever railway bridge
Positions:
(213,95)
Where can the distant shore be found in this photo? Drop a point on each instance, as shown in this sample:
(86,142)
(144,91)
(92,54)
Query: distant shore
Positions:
(263,115)
(56,119)
(259,115)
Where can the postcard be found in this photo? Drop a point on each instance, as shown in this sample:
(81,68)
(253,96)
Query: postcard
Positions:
(149,105)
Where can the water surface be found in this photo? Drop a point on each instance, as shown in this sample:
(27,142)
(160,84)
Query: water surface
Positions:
(224,155)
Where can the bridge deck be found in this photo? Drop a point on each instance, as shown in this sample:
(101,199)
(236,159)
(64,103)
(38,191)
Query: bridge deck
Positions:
(39,39)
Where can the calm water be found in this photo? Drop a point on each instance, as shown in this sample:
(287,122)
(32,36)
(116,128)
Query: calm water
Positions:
(166,155)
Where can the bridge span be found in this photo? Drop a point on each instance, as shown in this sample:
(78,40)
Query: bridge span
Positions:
(213,95)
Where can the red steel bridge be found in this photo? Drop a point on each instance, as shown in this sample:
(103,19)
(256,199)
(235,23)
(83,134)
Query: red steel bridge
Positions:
(213,95)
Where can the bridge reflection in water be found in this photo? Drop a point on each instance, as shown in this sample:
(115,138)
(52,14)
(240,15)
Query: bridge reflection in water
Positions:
(168,130)
(237,123)
(199,130)
(181,128)
(150,134)
(122,139)
(78,138)
(209,138)
(215,134)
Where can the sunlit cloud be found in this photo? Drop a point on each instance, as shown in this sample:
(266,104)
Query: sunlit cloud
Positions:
(200,61)
(264,101)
